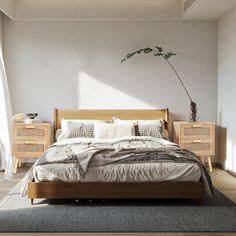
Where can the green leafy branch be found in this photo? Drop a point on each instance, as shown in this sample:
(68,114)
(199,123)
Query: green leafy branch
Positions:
(159,52)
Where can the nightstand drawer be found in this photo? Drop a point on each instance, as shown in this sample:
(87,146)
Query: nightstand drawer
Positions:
(196,131)
(198,146)
(29,148)
(31,131)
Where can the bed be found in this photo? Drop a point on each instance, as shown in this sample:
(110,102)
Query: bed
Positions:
(92,189)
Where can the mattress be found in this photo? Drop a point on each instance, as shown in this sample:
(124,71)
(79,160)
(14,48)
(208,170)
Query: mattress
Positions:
(135,172)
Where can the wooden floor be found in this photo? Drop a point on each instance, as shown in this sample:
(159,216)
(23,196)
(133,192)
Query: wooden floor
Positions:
(223,181)
(7,185)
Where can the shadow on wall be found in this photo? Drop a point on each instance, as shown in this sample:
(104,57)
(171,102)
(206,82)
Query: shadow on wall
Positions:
(131,87)
(96,94)
(121,93)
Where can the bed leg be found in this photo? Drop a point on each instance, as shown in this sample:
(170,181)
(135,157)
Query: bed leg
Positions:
(32,201)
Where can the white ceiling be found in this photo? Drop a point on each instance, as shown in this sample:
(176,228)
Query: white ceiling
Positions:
(116,9)
(208,9)
(97,9)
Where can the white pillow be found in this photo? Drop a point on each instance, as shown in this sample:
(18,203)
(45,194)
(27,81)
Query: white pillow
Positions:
(153,128)
(108,131)
(120,122)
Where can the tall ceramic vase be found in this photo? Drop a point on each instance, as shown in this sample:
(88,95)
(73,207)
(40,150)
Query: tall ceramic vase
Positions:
(193,108)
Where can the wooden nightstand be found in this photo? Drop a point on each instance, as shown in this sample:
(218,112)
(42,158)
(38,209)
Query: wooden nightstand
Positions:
(30,140)
(199,137)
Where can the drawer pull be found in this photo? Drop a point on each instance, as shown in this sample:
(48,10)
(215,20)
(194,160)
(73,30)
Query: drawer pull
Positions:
(197,126)
(197,141)
(30,127)
(29,142)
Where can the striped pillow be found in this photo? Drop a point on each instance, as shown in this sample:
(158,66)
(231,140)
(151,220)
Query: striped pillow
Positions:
(154,130)
(78,130)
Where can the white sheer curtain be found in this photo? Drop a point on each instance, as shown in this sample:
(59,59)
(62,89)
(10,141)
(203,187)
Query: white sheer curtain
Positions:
(6,159)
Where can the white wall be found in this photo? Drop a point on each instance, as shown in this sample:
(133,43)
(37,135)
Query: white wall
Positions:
(227,88)
(77,65)
(51,64)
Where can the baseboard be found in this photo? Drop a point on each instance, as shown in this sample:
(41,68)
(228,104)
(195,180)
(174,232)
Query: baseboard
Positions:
(216,164)
(228,171)
(221,166)
(231,172)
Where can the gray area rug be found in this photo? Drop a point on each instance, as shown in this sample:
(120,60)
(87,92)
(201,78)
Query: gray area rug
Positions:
(217,214)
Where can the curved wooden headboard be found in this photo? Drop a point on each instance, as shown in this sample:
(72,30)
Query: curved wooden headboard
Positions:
(91,114)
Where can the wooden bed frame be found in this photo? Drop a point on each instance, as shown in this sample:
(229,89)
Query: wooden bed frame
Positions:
(106,190)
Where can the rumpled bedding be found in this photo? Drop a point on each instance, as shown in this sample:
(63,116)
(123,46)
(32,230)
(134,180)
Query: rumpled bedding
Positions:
(88,152)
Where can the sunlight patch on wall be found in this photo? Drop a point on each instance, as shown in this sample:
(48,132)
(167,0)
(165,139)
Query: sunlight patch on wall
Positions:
(230,155)
(234,158)
(93,93)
